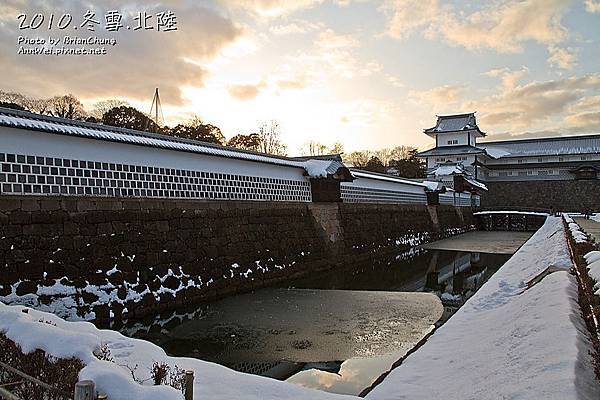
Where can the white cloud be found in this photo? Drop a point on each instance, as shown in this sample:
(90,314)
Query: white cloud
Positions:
(406,16)
(246,91)
(592,6)
(296,27)
(503,26)
(439,97)
(272,8)
(517,106)
(563,58)
(328,39)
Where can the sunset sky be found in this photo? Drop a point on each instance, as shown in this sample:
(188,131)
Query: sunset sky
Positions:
(370,74)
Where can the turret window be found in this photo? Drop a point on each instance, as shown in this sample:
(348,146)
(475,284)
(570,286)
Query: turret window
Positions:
(453,141)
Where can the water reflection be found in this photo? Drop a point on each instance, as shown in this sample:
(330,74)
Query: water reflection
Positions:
(336,340)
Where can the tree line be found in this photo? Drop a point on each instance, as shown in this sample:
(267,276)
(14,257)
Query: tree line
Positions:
(400,160)
(267,138)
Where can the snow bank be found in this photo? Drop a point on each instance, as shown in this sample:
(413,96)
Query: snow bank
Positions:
(593,260)
(578,234)
(508,340)
(592,256)
(512,212)
(40,330)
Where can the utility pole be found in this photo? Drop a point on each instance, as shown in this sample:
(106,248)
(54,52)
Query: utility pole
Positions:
(155,111)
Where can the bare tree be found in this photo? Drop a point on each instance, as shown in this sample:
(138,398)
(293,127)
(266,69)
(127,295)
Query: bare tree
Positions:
(270,139)
(337,148)
(40,106)
(101,107)
(313,148)
(401,152)
(358,159)
(12,97)
(384,155)
(67,106)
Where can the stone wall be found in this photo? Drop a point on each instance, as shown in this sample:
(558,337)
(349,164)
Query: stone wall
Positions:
(560,195)
(97,258)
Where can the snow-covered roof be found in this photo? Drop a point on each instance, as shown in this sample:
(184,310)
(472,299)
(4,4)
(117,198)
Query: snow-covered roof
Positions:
(433,185)
(496,152)
(447,169)
(451,150)
(454,123)
(43,123)
(359,173)
(554,146)
(477,184)
(325,168)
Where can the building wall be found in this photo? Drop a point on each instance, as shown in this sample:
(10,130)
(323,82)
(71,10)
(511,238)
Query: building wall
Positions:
(382,190)
(100,257)
(40,163)
(527,173)
(559,195)
(462,138)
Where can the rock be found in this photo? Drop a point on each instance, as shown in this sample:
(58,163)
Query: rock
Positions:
(26,287)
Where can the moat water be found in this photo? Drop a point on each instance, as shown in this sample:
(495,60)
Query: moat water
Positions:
(336,330)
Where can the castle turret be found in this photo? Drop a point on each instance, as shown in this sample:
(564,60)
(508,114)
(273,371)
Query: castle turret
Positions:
(455,143)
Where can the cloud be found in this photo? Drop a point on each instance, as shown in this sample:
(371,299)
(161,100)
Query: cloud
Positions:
(584,122)
(407,16)
(592,6)
(503,26)
(564,58)
(332,57)
(506,27)
(438,96)
(328,39)
(518,106)
(585,104)
(509,77)
(141,60)
(298,82)
(245,91)
(272,8)
(296,27)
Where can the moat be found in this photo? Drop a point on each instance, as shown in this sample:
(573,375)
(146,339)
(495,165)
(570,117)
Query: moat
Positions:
(336,330)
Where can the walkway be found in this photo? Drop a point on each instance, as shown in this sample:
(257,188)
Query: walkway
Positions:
(508,342)
(590,227)
(498,242)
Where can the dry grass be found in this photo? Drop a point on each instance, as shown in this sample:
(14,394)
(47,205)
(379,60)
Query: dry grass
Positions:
(61,373)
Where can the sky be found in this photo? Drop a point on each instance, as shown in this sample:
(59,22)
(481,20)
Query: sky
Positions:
(367,73)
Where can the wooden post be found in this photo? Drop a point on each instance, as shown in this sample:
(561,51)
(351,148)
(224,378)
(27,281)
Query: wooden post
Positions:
(85,390)
(189,385)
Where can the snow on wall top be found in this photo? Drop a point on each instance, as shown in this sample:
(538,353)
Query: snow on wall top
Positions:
(476,183)
(382,177)
(508,340)
(321,168)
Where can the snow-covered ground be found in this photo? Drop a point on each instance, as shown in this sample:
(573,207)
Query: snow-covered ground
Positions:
(517,338)
(36,330)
